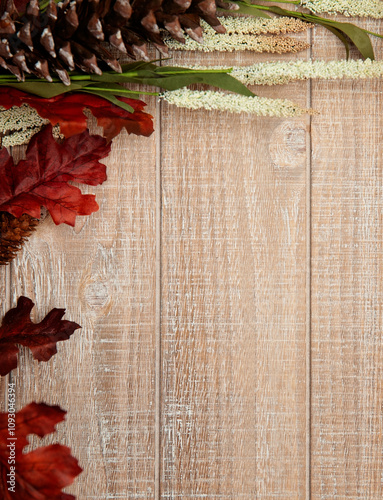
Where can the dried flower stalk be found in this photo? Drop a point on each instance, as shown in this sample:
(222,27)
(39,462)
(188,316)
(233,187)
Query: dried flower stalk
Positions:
(353,8)
(19,124)
(261,106)
(247,33)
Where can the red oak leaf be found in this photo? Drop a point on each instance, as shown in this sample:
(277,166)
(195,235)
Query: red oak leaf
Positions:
(41,338)
(40,474)
(42,178)
(67,111)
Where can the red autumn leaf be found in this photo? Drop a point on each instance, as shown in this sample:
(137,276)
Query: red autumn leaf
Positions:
(67,111)
(41,338)
(40,474)
(113,118)
(42,178)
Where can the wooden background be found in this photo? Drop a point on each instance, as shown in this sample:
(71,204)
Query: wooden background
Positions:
(230,295)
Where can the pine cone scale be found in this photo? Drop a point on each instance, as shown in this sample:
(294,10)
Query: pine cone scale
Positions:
(13,233)
(123,8)
(7,26)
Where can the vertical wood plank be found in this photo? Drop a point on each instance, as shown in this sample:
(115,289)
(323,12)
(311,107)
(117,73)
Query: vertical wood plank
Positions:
(103,272)
(233,303)
(3,309)
(347,290)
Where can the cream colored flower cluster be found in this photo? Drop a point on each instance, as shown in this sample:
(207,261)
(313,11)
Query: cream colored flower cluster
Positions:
(21,117)
(355,8)
(259,25)
(261,106)
(247,33)
(257,43)
(282,72)
(19,124)
(277,73)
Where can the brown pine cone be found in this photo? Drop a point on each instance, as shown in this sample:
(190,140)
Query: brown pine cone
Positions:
(13,233)
(70,34)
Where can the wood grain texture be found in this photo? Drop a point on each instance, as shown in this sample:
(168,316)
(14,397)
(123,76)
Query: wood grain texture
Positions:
(4,286)
(233,304)
(103,272)
(239,235)
(347,290)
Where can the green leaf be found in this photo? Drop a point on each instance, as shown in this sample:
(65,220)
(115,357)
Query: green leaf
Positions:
(108,85)
(357,35)
(45,89)
(134,66)
(342,38)
(126,77)
(117,90)
(173,78)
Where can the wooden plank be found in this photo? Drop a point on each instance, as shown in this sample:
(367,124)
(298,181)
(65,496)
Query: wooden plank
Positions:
(103,272)
(4,277)
(347,290)
(233,303)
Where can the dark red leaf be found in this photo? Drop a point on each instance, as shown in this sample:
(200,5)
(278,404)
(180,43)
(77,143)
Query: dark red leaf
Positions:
(114,120)
(67,111)
(41,338)
(40,474)
(42,178)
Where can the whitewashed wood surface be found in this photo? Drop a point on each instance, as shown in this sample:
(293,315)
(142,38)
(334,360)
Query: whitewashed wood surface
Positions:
(230,295)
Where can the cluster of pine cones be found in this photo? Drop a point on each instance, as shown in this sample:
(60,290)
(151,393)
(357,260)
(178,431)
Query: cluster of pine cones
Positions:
(76,34)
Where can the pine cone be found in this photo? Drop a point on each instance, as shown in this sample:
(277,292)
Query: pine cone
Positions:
(71,34)
(13,233)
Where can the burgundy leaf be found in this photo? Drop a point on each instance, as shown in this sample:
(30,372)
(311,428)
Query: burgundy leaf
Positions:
(40,474)
(67,110)
(41,338)
(42,178)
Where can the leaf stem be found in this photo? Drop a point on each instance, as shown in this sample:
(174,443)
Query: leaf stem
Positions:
(294,2)
(373,33)
(187,71)
(122,90)
(80,78)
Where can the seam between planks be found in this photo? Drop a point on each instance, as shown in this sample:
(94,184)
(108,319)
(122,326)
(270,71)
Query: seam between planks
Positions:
(8,288)
(157,473)
(308,319)
(8,302)
(308,281)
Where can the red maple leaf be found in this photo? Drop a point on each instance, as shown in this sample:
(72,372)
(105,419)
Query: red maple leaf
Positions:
(40,474)
(42,178)
(41,338)
(67,111)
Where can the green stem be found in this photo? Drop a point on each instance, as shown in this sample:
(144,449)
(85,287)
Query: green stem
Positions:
(81,78)
(124,91)
(201,71)
(294,2)
(265,7)
(372,33)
